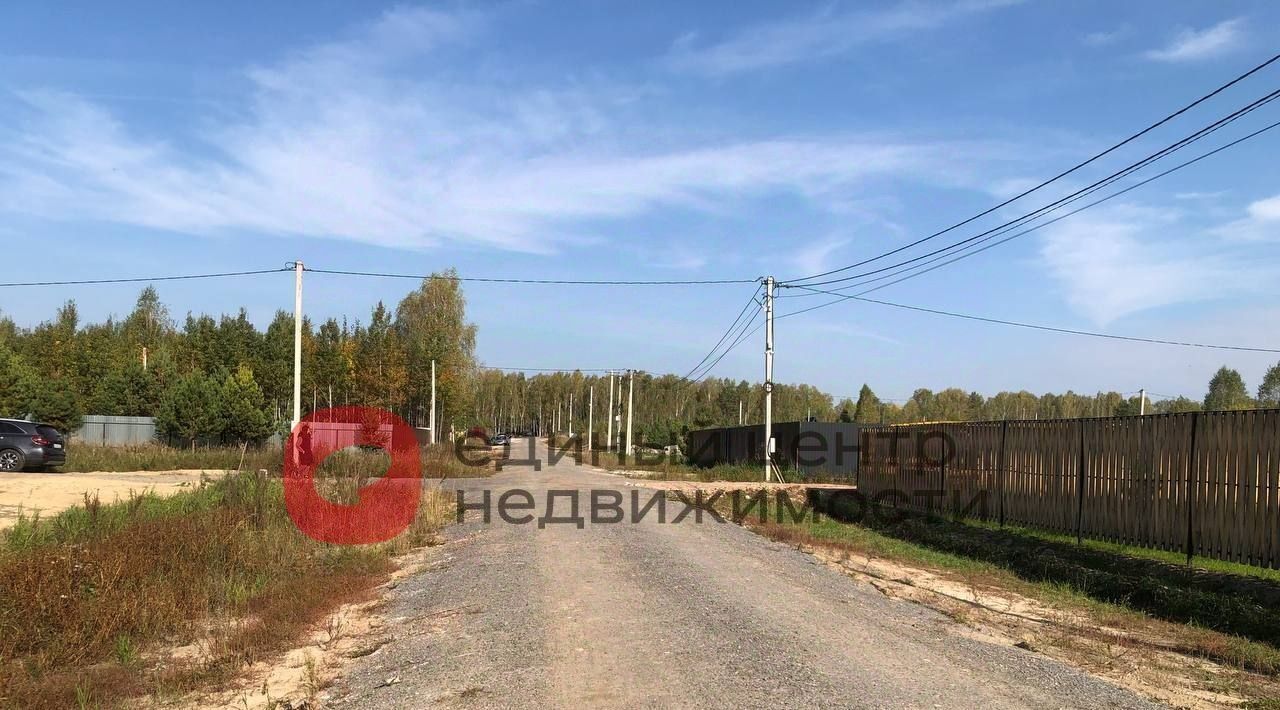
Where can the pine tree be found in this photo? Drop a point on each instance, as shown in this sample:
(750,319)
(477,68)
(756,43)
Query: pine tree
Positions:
(189,410)
(127,392)
(241,413)
(54,402)
(15,378)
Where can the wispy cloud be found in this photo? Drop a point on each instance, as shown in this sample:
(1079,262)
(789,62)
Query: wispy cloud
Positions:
(1191,45)
(1197,195)
(816,35)
(1129,259)
(1105,38)
(814,257)
(1260,223)
(353,140)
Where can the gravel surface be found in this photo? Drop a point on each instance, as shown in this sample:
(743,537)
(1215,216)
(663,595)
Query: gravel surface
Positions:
(655,615)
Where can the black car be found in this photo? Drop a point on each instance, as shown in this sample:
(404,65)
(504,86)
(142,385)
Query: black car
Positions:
(26,444)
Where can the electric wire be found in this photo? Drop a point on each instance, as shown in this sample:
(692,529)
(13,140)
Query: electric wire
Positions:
(1060,175)
(1053,329)
(142,279)
(1060,202)
(750,302)
(919,269)
(544,282)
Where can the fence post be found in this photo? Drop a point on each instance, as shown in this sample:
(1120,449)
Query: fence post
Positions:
(942,469)
(1191,489)
(1080,482)
(1000,472)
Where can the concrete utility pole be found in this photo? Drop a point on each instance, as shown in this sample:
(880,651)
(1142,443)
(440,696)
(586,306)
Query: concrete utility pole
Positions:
(739,412)
(631,391)
(1142,401)
(432,419)
(297,342)
(608,439)
(768,378)
(591,410)
(570,415)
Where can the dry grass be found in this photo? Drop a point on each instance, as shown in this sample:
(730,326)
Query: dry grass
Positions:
(92,600)
(438,460)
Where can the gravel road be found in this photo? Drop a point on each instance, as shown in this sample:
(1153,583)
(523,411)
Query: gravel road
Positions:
(669,615)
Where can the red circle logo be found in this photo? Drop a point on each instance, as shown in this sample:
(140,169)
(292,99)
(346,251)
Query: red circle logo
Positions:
(385,508)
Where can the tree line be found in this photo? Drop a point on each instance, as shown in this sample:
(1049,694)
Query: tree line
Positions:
(221,380)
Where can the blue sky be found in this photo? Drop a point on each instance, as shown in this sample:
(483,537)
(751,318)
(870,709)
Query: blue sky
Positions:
(657,141)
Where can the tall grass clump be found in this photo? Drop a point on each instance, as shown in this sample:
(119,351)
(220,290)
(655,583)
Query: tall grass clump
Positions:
(93,599)
(82,458)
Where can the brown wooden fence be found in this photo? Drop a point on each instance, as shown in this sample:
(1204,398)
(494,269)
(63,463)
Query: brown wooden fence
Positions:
(1206,483)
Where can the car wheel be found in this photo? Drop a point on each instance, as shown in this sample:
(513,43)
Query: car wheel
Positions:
(11,460)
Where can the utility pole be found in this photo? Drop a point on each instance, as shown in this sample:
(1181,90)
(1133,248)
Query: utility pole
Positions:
(297,342)
(432,419)
(591,410)
(631,391)
(570,415)
(608,438)
(739,412)
(1142,401)
(768,378)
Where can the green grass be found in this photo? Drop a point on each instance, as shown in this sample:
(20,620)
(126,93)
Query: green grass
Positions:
(1166,556)
(83,458)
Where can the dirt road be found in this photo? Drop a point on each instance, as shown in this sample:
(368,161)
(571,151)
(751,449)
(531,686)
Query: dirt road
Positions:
(662,615)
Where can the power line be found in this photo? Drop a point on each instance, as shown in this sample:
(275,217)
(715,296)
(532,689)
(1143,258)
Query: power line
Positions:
(743,333)
(142,279)
(952,258)
(1068,331)
(1169,396)
(547,369)
(750,302)
(544,282)
(1060,175)
(1068,199)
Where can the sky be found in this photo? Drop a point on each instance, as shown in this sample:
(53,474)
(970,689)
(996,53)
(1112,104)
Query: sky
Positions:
(660,141)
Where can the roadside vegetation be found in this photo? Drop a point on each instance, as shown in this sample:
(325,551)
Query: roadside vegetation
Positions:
(1219,611)
(438,460)
(165,596)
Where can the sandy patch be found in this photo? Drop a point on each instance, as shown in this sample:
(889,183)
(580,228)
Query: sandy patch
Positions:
(51,493)
(300,677)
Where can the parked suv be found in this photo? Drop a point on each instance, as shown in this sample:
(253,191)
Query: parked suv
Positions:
(26,444)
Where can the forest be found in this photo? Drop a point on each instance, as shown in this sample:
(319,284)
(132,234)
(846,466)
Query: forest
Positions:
(210,380)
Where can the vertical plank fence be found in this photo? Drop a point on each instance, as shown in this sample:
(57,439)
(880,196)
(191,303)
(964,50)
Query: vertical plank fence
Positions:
(1201,483)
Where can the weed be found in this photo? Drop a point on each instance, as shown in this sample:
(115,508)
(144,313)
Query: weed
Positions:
(126,654)
(85,594)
